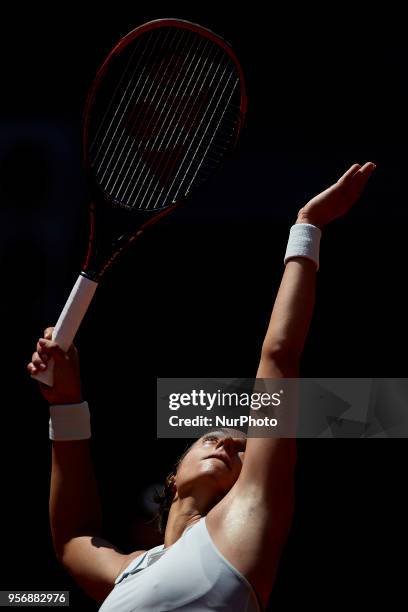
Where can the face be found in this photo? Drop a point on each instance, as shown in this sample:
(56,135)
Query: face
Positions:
(213,462)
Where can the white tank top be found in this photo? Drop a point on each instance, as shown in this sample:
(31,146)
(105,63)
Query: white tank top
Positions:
(190,575)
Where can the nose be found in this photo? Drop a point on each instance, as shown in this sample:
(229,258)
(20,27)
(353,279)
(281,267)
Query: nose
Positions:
(227,443)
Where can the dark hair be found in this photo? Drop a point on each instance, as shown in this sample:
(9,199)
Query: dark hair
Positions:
(164,498)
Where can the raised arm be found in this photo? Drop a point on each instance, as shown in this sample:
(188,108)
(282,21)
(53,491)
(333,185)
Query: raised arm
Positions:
(270,461)
(75,509)
(258,510)
(251,523)
(294,304)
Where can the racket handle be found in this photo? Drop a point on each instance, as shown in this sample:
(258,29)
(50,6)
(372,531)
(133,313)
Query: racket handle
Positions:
(69,322)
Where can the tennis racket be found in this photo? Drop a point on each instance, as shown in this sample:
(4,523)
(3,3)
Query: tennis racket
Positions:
(165,108)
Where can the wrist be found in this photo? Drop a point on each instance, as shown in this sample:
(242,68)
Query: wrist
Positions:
(305,218)
(66,401)
(69,422)
(61,399)
(304,241)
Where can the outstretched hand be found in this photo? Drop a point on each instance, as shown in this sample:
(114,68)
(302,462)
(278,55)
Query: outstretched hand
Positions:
(338,198)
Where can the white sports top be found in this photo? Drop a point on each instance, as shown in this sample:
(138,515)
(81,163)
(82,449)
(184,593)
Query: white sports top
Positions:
(190,575)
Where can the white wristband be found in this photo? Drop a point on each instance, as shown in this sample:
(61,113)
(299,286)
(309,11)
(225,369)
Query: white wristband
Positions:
(304,241)
(70,422)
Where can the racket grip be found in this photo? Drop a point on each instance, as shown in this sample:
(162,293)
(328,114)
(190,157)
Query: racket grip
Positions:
(69,322)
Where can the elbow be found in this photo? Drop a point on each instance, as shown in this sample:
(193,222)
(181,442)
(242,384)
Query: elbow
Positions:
(58,543)
(281,356)
(62,540)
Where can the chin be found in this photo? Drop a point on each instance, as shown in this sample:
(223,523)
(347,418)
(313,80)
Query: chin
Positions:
(217,471)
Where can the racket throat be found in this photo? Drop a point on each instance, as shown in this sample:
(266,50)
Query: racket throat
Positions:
(110,234)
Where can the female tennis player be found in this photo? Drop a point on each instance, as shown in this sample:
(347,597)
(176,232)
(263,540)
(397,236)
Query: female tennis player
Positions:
(227,508)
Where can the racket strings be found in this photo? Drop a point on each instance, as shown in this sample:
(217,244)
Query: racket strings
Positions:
(114,101)
(192,154)
(116,123)
(175,119)
(143,125)
(204,138)
(139,126)
(195,146)
(150,54)
(156,149)
(172,140)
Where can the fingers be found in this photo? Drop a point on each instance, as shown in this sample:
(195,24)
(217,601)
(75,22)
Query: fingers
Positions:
(359,180)
(354,187)
(38,361)
(350,172)
(45,349)
(46,346)
(356,172)
(365,172)
(31,369)
(50,348)
(37,364)
(48,333)
(352,183)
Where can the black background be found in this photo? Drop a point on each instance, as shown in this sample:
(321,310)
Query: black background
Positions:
(326,88)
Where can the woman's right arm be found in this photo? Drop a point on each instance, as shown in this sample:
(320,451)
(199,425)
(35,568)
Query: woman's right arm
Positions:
(75,508)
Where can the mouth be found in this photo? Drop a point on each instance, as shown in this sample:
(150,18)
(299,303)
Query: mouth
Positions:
(222,458)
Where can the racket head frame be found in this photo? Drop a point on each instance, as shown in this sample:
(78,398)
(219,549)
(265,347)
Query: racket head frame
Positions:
(130,224)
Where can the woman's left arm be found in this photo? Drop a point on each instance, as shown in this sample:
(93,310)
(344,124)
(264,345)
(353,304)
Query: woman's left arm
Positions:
(250,525)
(269,462)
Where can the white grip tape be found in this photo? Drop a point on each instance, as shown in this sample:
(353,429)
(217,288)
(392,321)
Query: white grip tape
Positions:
(69,322)
(70,422)
(304,241)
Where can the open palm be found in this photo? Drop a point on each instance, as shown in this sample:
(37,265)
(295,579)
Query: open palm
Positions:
(337,199)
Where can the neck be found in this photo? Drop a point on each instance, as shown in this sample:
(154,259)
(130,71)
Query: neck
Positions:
(184,512)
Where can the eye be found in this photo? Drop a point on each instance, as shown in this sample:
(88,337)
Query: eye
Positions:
(210,438)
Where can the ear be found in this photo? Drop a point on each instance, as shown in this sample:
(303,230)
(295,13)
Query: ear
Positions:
(171,482)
